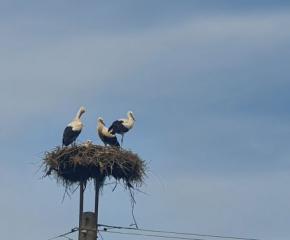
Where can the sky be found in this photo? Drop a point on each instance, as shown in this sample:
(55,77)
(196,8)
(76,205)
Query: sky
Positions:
(208,82)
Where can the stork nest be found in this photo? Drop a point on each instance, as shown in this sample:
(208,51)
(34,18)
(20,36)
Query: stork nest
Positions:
(73,164)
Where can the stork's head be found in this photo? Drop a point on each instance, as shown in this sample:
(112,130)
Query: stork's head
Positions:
(80,112)
(130,115)
(88,143)
(101,120)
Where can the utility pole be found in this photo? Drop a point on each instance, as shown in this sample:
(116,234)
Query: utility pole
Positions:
(88,228)
(88,221)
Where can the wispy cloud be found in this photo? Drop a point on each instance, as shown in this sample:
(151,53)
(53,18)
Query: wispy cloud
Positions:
(210,95)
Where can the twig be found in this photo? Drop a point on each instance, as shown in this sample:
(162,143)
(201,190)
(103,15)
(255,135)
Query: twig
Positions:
(158,178)
(133,202)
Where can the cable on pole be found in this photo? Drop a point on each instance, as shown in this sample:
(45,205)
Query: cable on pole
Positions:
(156,233)
(150,235)
(64,235)
(176,233)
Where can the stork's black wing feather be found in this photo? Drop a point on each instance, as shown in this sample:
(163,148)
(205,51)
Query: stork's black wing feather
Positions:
(111,141)
(69,136)
(115,127)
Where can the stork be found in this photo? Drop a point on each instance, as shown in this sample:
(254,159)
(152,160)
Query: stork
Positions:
(73,130)
(88,143)
(122,125)
(105,135)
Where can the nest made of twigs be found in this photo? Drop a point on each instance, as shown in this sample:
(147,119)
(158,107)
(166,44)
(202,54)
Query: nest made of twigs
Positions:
(73,164)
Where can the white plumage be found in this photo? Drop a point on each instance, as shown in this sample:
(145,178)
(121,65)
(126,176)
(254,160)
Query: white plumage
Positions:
(73,130)
(88,143)
(105,135)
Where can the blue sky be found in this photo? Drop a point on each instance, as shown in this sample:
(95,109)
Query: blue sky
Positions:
(207,82)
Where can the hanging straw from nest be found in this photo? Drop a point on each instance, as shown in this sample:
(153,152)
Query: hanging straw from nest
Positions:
(71,164)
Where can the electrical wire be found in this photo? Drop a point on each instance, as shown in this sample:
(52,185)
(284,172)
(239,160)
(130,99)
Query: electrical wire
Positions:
(159,233)
(177,233)
(150,235)
(100,234)
(64,235)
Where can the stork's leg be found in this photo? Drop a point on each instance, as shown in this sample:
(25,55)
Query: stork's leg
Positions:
(122,140)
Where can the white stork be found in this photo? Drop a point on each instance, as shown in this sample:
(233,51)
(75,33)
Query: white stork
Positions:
(88,143)
(122,125)
(73,130)
(105,135)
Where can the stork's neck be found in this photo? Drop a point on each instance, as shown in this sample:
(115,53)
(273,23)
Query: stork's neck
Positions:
(130,120)
(129,123)
(79,114)
(100,126)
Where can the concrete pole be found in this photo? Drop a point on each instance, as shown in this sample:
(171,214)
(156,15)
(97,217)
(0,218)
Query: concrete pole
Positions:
(88,227)
(88,221)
